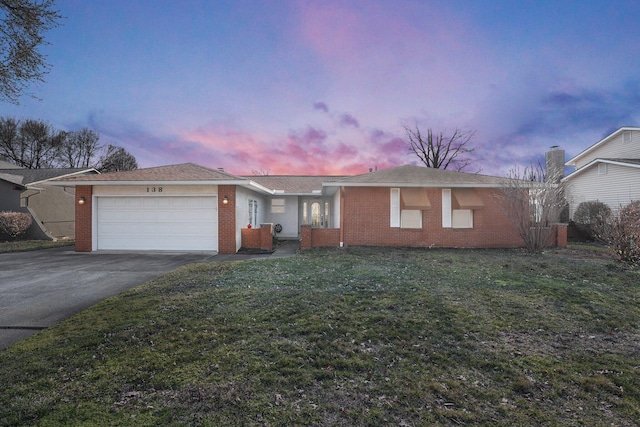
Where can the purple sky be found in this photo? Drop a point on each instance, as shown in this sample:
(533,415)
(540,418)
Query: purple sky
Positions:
(325,87)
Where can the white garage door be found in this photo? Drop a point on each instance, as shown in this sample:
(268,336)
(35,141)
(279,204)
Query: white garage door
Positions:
(157,223)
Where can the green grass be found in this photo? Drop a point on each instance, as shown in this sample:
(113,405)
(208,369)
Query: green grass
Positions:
(348,337)
(31,245)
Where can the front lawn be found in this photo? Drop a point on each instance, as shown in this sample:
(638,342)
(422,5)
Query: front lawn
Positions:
(346,337)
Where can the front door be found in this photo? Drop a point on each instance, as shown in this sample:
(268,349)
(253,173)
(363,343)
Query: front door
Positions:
(316,213)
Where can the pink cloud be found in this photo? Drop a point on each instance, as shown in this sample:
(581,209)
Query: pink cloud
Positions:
(307,151)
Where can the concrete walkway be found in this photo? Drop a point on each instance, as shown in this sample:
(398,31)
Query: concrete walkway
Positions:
(39,289)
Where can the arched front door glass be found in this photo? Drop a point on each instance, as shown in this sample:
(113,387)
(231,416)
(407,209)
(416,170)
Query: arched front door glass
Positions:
(316,217)
(316,213)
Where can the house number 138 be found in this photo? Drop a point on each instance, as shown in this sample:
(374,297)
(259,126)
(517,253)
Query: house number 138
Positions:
(154,189)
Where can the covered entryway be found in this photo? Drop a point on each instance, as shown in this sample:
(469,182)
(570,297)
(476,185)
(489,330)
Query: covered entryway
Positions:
(157,223)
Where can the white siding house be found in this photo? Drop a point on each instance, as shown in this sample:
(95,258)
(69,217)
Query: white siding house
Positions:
(608,171)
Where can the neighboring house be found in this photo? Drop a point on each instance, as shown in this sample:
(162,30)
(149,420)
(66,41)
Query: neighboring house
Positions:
(608,171)
(51,207)
(191,207)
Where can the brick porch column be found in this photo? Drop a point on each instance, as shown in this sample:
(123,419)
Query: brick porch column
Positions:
(227,219)
(83,218)
(561,235)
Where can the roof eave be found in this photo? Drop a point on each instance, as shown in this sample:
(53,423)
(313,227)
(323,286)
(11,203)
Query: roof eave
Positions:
(74,183)
(414,184)
(593,162)
(252,185)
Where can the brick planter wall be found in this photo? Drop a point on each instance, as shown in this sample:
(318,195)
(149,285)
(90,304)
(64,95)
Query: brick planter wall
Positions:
(319,237)
(258,238)
(266,237)
(250,238)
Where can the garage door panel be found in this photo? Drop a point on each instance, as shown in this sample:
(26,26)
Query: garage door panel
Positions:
(157,223)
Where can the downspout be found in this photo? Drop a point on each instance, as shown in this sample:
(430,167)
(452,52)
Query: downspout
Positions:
(342,217)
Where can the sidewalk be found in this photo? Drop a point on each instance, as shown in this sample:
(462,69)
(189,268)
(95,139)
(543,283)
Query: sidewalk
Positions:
(283,249)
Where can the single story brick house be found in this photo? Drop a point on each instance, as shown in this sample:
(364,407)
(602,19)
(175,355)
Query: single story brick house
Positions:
(191,207)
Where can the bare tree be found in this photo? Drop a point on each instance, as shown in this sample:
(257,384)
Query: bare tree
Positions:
(31,144)
(22,27)
(35,144)
(440,151)
(117,159)
(261,172)
(532,205)
(79,149)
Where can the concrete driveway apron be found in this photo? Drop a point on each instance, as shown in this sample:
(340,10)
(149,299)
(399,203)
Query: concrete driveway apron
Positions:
(39,289)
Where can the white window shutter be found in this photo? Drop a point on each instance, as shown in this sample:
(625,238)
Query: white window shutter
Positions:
(395,207)
(446,208)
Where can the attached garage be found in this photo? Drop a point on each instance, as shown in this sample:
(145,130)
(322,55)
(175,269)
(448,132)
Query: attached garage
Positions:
(156,223)
(183,207)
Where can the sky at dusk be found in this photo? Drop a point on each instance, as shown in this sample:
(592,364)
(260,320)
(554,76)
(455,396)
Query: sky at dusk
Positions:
(326,87)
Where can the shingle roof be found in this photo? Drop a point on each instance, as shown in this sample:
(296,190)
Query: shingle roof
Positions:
(12,178)
(30,176)
(409,175)
(405,176)
(293,184)
(182,172)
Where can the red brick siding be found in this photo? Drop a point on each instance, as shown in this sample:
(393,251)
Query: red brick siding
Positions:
(367,222)
(83,219)
(227,220)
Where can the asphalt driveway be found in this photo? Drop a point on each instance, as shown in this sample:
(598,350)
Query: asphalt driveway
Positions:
(38,289)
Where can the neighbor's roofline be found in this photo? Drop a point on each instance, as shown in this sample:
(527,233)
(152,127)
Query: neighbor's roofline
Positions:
(572,161)
(49,180)
(593,162)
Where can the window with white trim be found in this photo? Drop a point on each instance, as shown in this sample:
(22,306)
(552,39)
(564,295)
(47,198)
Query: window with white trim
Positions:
(458,205)
(407,213)
(305,219)
(253,212)
(277,206)
(536,204)
(626,137)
